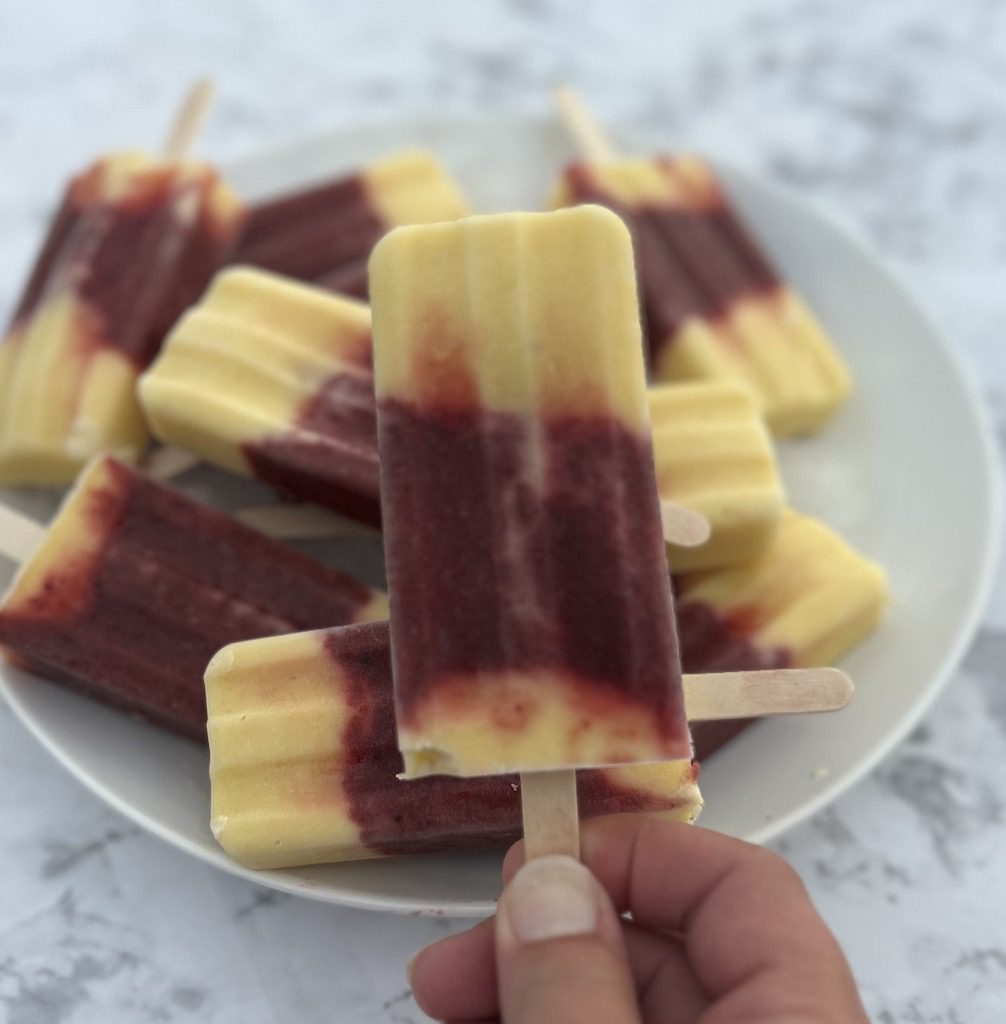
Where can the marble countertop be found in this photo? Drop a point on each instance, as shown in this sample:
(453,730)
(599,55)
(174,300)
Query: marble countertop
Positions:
(893,115)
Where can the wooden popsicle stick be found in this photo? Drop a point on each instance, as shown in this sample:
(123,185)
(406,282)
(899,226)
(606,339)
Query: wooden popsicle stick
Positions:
(550,813)
(787,691)
(166,463)
(683,526)
(303,522)
(20,535)
(590,139)
(189,119)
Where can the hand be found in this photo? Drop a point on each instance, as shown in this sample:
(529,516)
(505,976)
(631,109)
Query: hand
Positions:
(722,932)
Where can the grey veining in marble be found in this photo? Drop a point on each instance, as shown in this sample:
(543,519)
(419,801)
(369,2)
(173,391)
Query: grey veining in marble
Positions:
(892,114)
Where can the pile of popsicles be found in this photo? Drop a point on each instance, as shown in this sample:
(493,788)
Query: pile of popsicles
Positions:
(495,425)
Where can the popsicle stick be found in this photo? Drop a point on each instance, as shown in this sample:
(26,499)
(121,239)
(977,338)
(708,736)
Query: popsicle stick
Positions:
(189,119)
(787,691)
(586,133)
(682,526)
(304,522)
(551,817)
(19,534)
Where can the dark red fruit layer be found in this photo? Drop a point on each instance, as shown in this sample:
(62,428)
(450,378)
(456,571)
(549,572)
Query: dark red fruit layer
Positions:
(173,583)
(711,642)
(691,262)
(435,813)
(331,456)
(315,234)
(492,571)
(137,263)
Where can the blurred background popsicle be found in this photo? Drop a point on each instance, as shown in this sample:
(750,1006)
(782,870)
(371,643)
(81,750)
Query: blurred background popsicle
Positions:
(807,600)
(133,243)
(714,305)
(304,762)
(714,456)
(272,379)
(135,586)
(517,469)
(325,233)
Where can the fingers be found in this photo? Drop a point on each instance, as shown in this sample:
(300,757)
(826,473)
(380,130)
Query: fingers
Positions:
(560,956)
(745,912)
(455,979)
(754,940)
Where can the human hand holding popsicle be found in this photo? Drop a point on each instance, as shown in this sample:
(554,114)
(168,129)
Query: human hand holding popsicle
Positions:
(721,931)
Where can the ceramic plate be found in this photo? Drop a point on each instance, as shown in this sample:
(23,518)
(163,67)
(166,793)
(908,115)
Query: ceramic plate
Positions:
(905,472)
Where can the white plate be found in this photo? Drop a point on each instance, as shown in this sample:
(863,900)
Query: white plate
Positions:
(906,473)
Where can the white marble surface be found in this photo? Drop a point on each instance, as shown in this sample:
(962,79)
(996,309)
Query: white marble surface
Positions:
(892,114)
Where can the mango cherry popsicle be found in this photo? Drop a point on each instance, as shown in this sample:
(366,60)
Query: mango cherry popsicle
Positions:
(804,602)
(135,586)
(517,471)
(272,379)
(304,762)
(325,233)
(714,305)
(132,245)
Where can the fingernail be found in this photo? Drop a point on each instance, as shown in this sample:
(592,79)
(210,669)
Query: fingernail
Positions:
(551,898)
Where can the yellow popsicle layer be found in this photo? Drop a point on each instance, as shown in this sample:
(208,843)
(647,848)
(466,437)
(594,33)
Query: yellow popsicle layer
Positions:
(239,367)
(714,455)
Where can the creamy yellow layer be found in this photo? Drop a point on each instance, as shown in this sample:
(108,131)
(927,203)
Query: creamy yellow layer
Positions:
(774,345)
(238,367)
(71,543)
(518,313)
(63,398)
(713,454)
(414,188)
(809,592)
(541,720)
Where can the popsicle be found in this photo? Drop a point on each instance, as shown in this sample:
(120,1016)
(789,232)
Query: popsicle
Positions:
(134,242)
(135,586)
(304,762)
(805,601)
(714,456)
(325,233)
(272,379)
(715,306)
(517,470)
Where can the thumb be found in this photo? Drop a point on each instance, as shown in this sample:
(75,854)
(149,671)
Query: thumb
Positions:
(560,955)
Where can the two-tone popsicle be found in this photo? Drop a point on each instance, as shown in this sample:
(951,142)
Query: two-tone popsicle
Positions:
(135,586)
(134,243)
(715,307)
(325,233)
